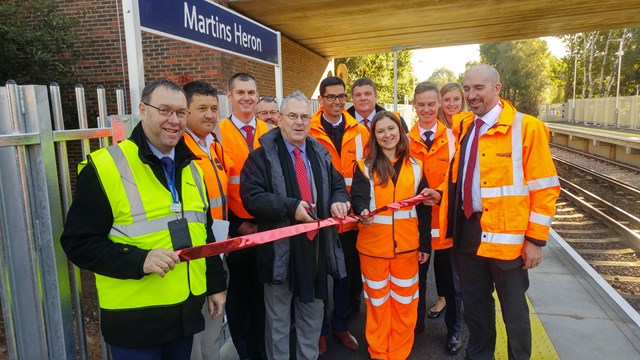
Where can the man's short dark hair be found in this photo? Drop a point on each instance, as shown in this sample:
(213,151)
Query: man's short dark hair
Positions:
(199,88)
(152,86)
(426,86)
(242,77)
(330,81)
(362,82)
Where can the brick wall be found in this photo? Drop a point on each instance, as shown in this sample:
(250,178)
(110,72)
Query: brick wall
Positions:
(104,57)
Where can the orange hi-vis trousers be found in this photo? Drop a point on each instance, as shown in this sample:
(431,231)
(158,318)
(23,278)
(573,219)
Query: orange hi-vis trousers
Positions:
(391,294)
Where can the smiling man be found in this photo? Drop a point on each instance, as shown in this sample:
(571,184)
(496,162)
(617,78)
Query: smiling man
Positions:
(239,135)
(498,206)
(150,302)
(346,139)
(365,102)
(290,180)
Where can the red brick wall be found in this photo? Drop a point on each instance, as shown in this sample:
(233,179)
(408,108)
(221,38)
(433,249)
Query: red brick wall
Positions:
(103,54)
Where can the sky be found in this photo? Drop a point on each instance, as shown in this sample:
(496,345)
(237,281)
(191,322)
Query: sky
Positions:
(425,61)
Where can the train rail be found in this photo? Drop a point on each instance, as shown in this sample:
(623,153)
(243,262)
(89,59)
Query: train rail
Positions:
(598,216)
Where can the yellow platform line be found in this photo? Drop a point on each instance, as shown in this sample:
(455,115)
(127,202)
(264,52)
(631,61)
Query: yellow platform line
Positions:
(542,347)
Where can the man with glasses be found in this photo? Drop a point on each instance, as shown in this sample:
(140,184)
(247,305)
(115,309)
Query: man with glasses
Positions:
(267,110)
(239,135)
(346,140)
(290,180)
(136,203)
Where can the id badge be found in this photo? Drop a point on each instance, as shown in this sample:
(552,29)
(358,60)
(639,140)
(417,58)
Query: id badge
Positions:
(179,232)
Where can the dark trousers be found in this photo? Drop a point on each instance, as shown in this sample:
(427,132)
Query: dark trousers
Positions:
(478,276)
(245,304)
(179,349)
(347,291)
(447,282)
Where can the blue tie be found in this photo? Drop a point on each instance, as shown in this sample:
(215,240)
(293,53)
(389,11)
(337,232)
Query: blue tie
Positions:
(167,164)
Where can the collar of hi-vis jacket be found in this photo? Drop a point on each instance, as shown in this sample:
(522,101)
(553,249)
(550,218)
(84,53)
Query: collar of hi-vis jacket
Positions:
(349,122)
(505,120)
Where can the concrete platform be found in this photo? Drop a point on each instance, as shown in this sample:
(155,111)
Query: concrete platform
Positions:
(575,315)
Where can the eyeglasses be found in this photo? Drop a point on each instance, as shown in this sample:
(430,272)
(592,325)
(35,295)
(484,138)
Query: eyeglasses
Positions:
(180,114)
(332,98)
(271,112)
(293,116)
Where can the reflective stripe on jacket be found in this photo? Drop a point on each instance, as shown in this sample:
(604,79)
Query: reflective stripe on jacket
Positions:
(214,176)
(435,162)
(391,232)
(235,146)
(140,207)
(518,181)
(354,143)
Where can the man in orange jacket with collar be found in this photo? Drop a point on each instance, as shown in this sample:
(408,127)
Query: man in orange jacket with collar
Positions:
(434,144)
(239,135)
(498,205)
(346,140)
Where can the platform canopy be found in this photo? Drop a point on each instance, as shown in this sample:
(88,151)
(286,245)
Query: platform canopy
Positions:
(344,28)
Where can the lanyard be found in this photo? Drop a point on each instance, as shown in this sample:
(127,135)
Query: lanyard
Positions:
(175,206)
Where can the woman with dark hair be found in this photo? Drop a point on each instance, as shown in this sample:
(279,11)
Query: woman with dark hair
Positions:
(391,244)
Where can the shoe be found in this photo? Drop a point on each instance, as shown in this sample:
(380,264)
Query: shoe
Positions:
(419,329)
(454,344)
(347,340)
(322,345)
(434,314)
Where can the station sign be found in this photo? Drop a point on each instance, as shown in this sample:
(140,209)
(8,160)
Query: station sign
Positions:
(211,25)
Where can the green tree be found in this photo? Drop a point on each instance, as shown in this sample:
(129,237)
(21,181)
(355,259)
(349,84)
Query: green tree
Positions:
(442,76)
(36,43)
(379,68)
(597,63)
(525,68)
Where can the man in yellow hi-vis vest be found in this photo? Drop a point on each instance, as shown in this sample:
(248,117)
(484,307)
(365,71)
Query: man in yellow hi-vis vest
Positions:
(136,203)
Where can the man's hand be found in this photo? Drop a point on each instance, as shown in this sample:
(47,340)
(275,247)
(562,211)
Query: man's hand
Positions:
(531,254)
(434,196)
(302,213)
(247,228)
(366,219)
(216,304)
(160,261)
(422,257)
(340,209)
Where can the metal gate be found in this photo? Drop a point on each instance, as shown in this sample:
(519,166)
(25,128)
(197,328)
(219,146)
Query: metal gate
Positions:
(39,289)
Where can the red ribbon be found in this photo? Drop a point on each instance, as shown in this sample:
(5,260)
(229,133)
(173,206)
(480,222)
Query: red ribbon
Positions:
(264,237)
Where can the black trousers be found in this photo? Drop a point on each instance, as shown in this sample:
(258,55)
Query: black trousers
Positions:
(447,282)
(478,278)
(245,304)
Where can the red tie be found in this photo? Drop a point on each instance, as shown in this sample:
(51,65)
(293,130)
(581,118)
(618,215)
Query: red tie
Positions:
(249,131)
(303,183)
(467,202)
(365,122)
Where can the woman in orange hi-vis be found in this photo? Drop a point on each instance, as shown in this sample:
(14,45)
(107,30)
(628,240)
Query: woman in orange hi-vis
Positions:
(391,244)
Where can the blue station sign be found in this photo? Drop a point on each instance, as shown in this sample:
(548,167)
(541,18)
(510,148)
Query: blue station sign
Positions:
(208,24)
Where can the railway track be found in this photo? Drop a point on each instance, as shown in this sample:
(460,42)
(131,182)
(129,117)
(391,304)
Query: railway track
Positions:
(598,217)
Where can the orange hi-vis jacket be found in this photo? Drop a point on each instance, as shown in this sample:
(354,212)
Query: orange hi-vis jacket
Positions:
(435,162)
(518,181)
(215,176)
(396,232)
(354,144)
(235,146)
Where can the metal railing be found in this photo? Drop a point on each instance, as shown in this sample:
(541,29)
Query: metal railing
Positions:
(40,290)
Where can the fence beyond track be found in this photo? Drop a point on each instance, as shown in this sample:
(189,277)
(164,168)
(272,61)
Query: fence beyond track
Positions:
(595,111)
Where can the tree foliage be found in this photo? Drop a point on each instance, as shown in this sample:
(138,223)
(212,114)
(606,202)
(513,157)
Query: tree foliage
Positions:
(526,70)
(36,43)
(596,63)
(442,76)
(379,68)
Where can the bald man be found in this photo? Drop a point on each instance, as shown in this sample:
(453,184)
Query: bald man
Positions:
(498,207)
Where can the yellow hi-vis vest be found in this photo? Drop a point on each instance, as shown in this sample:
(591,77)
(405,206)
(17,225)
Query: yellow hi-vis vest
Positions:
(140,206)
